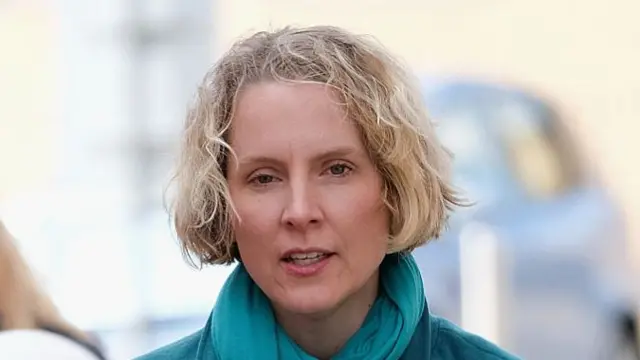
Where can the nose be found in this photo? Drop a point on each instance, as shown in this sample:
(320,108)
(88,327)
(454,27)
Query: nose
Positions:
(302,210)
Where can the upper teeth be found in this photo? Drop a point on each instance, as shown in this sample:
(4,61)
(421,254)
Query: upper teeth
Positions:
(302,256)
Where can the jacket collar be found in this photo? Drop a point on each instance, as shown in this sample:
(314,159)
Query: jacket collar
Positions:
(421,341)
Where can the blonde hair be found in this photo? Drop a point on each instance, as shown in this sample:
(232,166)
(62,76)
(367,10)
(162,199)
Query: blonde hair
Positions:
(23,304)
(377,93)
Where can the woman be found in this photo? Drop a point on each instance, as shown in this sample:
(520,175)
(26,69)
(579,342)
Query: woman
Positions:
(30,325)
(309,159)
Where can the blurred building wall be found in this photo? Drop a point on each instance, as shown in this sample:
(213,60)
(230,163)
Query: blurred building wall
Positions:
(27,96)
(583,54)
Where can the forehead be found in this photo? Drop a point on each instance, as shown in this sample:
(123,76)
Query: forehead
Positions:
(273,116)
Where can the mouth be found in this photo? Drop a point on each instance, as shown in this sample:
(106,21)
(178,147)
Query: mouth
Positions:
(306,258)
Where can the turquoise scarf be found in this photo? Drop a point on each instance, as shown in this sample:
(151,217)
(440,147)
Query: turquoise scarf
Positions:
(243,325)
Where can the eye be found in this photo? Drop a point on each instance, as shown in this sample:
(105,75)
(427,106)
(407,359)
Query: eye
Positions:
(339,169)
(262,179)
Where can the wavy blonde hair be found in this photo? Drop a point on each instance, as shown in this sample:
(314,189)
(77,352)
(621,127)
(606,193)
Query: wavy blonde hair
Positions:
(377,93)
(23,304)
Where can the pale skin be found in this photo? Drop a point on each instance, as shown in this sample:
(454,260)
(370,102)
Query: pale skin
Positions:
(303,179)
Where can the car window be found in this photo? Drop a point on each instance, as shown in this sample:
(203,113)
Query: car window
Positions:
(505,146)
(478,166)
(535,144)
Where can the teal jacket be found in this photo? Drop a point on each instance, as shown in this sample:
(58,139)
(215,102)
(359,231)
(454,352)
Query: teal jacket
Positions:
(434,339)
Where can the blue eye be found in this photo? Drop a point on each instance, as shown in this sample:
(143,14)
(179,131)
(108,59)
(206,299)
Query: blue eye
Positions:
(263,179)
(339,169)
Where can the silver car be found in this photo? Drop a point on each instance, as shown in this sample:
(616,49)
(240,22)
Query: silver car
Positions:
(537,263)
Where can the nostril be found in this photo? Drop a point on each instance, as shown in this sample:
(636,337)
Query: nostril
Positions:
(294,224)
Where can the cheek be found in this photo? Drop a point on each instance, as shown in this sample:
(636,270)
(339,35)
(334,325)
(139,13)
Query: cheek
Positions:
(255,223)
(366,239)
(253,213)
(253,246)
(362,217)
(362,204)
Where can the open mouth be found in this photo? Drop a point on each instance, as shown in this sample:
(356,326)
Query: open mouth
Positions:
(304,259)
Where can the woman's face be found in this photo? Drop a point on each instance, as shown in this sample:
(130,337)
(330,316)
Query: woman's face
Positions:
(312,227)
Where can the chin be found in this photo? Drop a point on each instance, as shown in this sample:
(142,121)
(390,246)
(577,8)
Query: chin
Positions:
(308,302)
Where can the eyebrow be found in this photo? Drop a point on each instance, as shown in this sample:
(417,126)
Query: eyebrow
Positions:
(341,151)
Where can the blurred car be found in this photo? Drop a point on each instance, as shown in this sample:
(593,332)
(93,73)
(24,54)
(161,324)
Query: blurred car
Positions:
(537,263)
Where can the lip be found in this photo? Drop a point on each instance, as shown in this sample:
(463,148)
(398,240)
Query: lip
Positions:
(290,252)
(308,270)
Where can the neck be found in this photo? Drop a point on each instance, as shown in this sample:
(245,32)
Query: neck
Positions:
(323,335)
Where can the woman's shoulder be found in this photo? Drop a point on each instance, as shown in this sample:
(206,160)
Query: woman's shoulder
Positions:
(452,342)
(185,348)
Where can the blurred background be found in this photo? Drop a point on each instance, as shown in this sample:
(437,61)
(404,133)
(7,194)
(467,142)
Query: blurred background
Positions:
(538,100)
